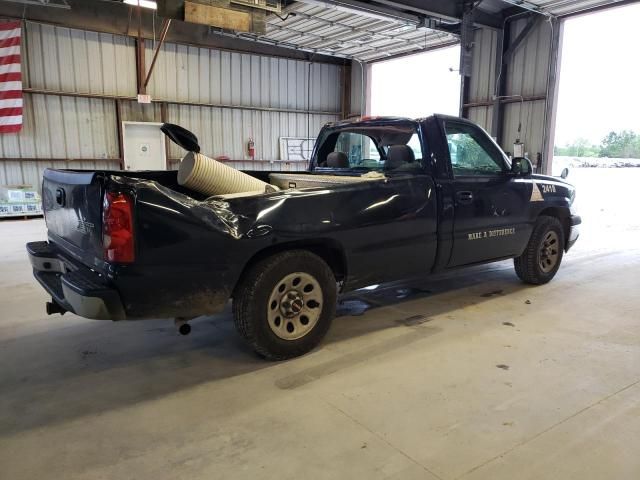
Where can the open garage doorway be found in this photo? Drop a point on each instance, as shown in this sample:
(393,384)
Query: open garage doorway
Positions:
(598,126)
(417,85)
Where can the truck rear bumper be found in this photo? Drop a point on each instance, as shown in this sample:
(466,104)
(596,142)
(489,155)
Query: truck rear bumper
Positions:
(74,287)
(574,230)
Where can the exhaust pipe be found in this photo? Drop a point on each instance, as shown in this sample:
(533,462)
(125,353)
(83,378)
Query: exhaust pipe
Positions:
(54,307)
(183,326)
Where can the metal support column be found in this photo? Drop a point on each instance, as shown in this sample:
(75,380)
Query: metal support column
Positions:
(505,51)
(140,63)
(551,103)
(119,132)
(163,119)
(345,91)
(501,83)
(466,55)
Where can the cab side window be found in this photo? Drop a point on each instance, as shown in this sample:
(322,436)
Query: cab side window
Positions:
(414,144)
(471,153)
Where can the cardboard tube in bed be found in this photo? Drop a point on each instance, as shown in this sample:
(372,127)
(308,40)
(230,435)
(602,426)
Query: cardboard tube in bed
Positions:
(208,176)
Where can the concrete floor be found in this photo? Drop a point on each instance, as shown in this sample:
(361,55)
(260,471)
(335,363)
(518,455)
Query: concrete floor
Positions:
(472,375)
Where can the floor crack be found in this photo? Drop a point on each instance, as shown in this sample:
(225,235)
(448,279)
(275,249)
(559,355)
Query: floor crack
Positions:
(560,422)
(381,438)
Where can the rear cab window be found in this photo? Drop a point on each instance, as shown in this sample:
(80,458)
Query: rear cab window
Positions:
(360,148)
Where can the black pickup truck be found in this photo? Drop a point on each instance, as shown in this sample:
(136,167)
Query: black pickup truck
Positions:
(384,199)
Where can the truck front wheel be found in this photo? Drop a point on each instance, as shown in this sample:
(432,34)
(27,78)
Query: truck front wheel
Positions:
(541,259)
(285,303)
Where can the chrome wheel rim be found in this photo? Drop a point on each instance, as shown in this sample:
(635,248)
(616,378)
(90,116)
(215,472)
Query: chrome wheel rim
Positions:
(294,306)
(549,252)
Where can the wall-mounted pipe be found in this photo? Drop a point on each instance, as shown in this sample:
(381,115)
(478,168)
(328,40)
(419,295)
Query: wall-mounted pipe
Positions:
(163,34)
(512,99)
(41,91)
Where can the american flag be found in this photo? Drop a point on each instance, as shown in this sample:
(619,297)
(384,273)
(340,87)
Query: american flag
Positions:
(10,78)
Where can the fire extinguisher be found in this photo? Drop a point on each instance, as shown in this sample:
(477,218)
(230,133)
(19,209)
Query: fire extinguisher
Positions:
(251,149)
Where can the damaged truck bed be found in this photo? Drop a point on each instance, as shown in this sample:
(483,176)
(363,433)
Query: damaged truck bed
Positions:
(384,200)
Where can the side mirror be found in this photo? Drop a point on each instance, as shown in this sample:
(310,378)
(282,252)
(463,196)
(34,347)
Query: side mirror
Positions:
(521,166)
(565,173)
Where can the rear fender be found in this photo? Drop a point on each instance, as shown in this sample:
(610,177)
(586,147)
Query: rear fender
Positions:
(331,251)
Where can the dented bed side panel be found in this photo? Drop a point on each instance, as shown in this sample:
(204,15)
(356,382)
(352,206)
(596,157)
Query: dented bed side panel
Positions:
(190,253)
(181,266)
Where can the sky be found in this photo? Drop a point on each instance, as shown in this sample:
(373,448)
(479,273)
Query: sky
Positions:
(599,88)
(418,85)
(600,75)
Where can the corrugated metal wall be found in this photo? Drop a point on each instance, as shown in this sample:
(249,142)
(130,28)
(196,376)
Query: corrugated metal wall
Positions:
(482,83)
(526,75)
(57,127)
(69,60)
(230,97)
(201,75)
(59,130)
(359,88)
(265,127)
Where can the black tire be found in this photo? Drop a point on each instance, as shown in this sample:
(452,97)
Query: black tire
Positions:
(252,300)
(534,266)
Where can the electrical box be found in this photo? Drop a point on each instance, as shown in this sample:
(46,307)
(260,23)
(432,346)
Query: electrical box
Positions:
(518,149)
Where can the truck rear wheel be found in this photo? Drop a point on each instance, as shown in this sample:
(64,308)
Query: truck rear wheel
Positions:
(284,304)
(543,255)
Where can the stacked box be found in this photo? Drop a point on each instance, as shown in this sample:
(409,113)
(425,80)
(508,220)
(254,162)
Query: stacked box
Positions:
(20,209)
(19,201)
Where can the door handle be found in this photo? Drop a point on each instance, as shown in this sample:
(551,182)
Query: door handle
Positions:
(464,196)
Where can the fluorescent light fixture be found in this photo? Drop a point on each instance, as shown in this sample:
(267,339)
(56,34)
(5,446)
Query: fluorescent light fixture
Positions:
(142,3)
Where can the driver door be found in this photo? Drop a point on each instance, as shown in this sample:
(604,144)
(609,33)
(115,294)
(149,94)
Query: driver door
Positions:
(388,227)
(491,206)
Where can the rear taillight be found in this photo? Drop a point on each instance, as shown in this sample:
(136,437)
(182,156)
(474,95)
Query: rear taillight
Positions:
(117,228)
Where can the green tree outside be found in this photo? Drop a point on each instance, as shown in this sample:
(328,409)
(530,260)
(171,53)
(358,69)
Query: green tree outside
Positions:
(624,144)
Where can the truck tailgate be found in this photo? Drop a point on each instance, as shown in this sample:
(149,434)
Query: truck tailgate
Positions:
(72,202)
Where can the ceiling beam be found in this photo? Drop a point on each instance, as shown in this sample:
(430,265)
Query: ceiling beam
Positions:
(531,7)
(393,56)
(447,10)
(597,8)
(367,10)
(43,3)
(113,17)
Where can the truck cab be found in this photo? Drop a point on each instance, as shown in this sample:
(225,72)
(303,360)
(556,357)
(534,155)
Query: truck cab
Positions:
(487,206)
